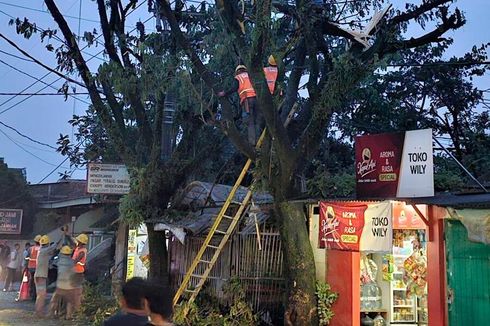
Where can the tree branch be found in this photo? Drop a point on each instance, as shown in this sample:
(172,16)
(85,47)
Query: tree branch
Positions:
(89,81)
(54,71)
(228,126)
(106,31)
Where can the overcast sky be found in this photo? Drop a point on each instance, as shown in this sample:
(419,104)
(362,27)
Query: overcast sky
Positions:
(43,118)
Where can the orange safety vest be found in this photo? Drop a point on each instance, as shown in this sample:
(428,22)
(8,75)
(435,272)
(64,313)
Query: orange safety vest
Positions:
(245,88)
(80,265)
(32,260)
(271,77)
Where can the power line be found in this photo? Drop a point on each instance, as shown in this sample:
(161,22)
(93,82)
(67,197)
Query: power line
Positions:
(15,56)
(37,80)
(46,12)
(25,136)
(47,74)
(25,150)
(43,94)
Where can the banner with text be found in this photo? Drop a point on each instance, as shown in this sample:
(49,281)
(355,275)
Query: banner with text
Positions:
(395,165)
(356,227)
(107,179)
(10,221)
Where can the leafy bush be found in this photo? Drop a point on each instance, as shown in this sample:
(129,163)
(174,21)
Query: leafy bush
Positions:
(208,312)
(96,306)
(326,298)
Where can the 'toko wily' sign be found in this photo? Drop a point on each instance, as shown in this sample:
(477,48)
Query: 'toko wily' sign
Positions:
(395,165)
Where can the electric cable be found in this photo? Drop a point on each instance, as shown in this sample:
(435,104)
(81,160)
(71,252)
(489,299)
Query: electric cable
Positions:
(26,137)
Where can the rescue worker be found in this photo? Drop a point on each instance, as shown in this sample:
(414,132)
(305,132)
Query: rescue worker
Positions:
(65,291)
(79,259)
(252,116)
(41,275)
(270,73)
(32,264)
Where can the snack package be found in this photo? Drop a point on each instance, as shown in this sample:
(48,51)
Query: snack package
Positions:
(388,267)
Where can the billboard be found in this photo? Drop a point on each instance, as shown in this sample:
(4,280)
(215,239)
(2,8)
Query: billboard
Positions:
(356,226)
(107,179)
(395,165)
(10,221)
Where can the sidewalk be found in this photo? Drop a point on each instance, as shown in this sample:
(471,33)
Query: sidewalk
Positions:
(22,313)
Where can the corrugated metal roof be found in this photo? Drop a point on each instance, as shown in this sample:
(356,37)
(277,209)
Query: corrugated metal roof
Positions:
(468,200)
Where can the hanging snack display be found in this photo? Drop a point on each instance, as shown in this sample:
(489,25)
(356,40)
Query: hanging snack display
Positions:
(415,273)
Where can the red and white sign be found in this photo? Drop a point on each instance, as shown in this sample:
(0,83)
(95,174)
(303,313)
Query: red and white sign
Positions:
(405,216)
(107,179)
(395,165)
(356,227)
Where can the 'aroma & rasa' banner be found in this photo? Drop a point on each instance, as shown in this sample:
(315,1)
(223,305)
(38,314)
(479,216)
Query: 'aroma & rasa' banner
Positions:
(356,227)
(395,165)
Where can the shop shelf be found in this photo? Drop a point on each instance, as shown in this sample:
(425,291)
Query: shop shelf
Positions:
(403,306)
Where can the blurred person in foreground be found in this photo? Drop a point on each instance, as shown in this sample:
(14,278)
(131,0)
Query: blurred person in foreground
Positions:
(132,302)
(159,304)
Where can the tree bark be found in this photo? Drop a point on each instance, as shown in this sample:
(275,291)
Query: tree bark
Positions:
(158,255)
(300,263)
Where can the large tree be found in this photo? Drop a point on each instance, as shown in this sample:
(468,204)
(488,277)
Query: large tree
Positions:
(133,117)
(312,42)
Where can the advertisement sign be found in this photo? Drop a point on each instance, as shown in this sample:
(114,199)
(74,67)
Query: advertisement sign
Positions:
(341,226)
(395,165)
(356,227)
(405,216)
(107,179)
(10,221)
(132,233)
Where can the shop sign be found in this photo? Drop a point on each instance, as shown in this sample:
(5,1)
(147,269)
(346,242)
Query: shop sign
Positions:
(131,253)
(405,216)
(352,227)
(395,165)
(10,221)
(377,235)
(107,179)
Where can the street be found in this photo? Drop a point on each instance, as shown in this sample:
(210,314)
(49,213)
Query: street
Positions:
(22,313)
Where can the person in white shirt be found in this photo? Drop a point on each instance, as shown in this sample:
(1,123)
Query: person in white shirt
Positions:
(13,264)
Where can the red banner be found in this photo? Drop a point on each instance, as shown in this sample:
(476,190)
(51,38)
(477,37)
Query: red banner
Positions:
(341,226)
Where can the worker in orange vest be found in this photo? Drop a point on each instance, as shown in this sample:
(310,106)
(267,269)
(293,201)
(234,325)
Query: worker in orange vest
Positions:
(79,259)
(270,73)
(32,264)
(251,115)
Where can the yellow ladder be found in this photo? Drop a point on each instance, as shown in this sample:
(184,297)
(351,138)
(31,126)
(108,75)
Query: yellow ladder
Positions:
(216,232)
(218,236)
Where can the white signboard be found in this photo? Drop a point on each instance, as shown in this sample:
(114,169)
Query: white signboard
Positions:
(107,179)
(417,165)
(377,234)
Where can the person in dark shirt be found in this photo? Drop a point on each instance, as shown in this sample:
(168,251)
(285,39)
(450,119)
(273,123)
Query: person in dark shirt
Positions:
(133,312)
(159,303)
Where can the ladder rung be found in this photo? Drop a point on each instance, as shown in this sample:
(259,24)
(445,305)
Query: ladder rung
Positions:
(190,291)
(228,217)
(214,247)
(237,203)
(205,261)
(196,275)
(220,232)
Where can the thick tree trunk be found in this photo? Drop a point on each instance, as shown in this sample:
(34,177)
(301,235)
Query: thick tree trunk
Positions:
(158,255)
(299,263)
